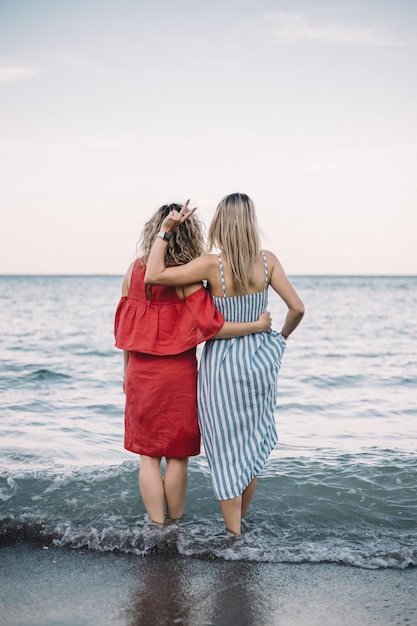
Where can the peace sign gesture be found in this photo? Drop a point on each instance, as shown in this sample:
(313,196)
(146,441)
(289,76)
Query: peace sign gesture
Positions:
(175,218)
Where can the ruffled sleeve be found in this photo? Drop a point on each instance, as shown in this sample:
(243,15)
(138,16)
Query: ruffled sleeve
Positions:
(162,329)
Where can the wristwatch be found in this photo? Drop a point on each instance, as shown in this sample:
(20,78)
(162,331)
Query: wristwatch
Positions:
(164,235)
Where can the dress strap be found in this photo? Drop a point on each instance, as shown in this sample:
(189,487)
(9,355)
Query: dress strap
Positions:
(265,271)
(222,274)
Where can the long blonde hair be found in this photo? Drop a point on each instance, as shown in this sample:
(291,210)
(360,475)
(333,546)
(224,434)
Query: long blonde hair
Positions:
(234,231)
(186,243)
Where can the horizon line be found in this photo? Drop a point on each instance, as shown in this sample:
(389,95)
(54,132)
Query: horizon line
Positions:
(116,274)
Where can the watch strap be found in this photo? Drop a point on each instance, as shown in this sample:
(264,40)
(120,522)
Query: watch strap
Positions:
(164,235)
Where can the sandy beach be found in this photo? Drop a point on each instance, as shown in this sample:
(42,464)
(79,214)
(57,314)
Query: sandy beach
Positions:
(42,586)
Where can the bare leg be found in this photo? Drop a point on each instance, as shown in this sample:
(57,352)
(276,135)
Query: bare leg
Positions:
(232,514)
(248,495)
(233,510)
(152,487)
(175,486)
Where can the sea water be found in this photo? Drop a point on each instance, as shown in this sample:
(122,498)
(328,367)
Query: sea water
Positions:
(340,487)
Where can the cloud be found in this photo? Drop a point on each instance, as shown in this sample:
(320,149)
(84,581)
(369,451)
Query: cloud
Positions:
(15,73)
(300,27)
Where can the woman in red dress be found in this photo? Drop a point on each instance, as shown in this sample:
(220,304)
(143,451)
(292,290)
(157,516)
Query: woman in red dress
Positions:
(158,329)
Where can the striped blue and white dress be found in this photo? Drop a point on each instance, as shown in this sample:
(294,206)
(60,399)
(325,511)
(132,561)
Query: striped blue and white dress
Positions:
(237,394)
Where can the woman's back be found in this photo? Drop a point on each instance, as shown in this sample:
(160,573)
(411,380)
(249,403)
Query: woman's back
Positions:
(221,280)
(242,307)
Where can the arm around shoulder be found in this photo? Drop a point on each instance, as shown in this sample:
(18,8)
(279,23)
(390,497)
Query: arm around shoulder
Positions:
(190,273)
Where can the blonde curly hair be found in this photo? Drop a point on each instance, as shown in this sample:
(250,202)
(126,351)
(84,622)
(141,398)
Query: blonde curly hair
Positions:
(186,243)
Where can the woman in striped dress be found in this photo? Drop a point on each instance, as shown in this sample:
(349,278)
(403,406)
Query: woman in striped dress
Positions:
(238,377)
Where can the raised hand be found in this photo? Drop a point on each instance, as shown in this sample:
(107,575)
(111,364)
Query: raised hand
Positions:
(175,218)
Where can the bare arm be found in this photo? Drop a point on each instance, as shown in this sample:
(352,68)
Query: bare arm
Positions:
(125,291)
(190,273)
(283,287)
(229,330)
(126,280)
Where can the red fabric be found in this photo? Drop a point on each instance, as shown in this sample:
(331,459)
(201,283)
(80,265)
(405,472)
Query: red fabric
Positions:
(161,405)
(161,335)
(166,324)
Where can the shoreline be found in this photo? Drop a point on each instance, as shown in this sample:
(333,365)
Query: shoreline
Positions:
(58,586)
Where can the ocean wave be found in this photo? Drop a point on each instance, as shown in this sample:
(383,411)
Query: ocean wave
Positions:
(346,380)
(325,490)
(27,380)
(356,510)
(200,540)
(45,374)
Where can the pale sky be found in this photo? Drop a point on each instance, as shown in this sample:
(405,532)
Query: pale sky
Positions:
(110,108)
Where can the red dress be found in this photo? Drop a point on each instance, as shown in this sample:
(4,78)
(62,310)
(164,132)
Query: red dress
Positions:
(161,334)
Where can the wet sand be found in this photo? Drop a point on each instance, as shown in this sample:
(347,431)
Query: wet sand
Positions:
(60,587)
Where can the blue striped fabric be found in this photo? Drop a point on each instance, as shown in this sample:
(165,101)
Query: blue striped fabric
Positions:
(237,397)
